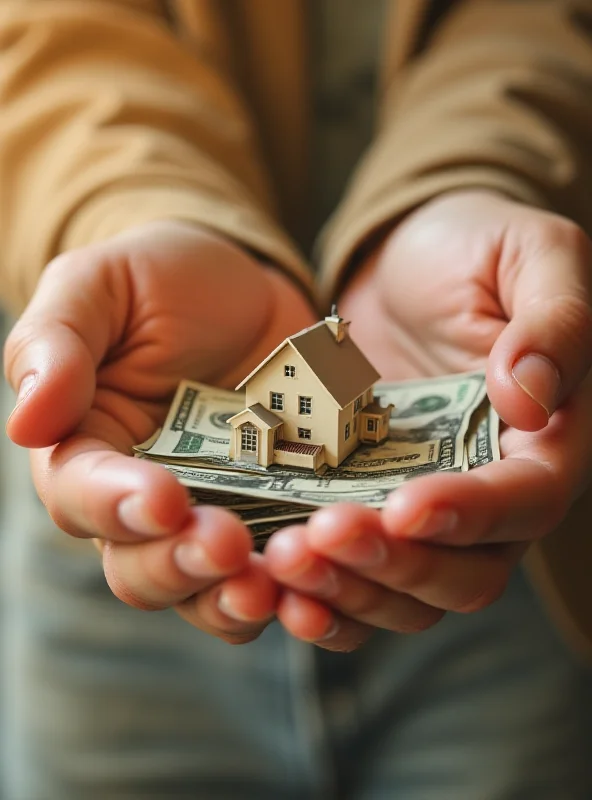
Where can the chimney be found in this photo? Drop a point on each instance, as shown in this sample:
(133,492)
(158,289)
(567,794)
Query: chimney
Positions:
(336,325)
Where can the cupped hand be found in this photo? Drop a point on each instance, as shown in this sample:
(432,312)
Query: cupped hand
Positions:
(96,358)
(471,280)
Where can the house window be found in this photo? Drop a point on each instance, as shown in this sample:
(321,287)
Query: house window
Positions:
(276,401)
(304,433)
(249,439)
(346,431)
(305,405)
(289,371)
(371,425)
(357,405)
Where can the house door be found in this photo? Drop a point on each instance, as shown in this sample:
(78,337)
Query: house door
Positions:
(249,443)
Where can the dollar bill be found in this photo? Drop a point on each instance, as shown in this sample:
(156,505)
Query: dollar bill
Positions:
(427,428)
(233,502)
(282,484)
(437,424)
(196,429)
(482,445)
(144,447)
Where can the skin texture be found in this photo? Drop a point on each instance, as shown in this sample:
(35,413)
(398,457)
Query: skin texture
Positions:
(470,279)
(110,332)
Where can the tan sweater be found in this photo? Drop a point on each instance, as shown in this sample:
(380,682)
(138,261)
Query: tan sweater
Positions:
(117,112)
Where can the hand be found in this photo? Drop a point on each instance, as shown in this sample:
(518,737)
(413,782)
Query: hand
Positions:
(469,280)
(97,355)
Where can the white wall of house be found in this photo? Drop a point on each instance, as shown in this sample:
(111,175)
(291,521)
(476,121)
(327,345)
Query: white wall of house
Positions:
(323,422)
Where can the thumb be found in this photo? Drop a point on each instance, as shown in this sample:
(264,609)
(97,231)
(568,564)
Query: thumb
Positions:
(545,351)
(51,354)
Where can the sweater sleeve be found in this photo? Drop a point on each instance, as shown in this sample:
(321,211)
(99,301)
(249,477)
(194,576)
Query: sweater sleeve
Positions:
(110,120)
(498,98)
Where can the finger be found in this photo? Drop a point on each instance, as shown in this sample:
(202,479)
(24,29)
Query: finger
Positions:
(238,609)
(92,491)
(447,578)
(157,574)
(546,349)
(406,590)
(506,501)
(521,498)
(291,562)
(51,354)
(311,621)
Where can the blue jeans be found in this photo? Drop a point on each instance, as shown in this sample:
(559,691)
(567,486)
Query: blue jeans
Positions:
(106,702)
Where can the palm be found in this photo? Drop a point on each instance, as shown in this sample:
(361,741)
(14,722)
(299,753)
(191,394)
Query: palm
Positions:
(436,307)
(468,280)
(111,331)
(185,305)
(443,294)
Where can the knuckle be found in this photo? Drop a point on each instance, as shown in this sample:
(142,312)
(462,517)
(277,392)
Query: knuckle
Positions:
(575,320)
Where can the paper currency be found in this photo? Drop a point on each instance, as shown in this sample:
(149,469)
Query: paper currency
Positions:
(428,427)
(439,424)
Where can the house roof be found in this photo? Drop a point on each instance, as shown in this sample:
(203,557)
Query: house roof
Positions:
(376,409)
(341,367)
(267,418)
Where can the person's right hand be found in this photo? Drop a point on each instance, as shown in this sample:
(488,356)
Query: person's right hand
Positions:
(96,358)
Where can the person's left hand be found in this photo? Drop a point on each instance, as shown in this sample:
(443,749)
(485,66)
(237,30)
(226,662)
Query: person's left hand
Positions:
(470,280)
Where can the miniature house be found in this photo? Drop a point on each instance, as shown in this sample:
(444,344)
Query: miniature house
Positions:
(310,402)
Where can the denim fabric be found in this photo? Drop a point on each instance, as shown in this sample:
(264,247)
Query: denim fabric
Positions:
(106,702)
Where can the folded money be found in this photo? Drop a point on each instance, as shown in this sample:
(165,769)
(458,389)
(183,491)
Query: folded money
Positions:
(436,424)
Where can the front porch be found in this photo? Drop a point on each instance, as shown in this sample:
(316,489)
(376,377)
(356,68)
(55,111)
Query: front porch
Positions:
(298,454)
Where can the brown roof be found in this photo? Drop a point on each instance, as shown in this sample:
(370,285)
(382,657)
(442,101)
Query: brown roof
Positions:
(341,367)
(376,408)
(268,418)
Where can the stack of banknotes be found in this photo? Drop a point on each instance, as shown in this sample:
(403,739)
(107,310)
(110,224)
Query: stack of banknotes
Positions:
(437,424)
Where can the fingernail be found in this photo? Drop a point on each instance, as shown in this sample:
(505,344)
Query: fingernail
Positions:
(365,551)
(330,633)
(310,572)
(433,522)
(27,385)
(192,559)
(137,517)
(539,378)
(226,607)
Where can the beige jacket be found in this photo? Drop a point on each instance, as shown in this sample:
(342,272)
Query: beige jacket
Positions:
(116,112)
